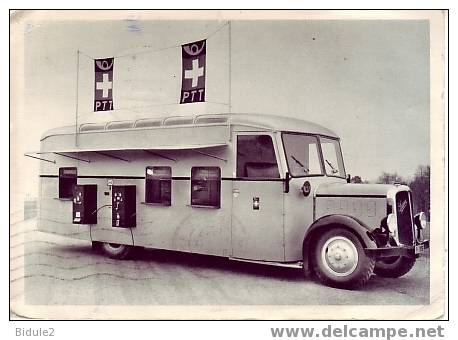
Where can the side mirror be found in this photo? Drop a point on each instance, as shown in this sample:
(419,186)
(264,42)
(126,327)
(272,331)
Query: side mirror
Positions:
(348,178)
(287,179)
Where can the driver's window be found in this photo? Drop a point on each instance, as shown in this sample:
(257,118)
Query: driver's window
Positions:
(256,157)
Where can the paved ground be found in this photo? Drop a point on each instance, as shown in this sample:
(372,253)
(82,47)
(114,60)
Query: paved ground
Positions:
(52,270)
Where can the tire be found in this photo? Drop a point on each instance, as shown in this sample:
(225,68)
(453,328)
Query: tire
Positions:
(116,251)
(394,266)
(338,260)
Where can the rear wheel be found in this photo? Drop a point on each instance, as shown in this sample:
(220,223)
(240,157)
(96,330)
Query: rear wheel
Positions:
(116,251)
(394,266)
(338,260)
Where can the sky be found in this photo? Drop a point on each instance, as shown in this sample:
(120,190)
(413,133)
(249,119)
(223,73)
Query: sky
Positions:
(367,80)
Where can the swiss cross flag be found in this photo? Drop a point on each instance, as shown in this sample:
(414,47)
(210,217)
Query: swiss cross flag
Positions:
(103,87)
(193,72)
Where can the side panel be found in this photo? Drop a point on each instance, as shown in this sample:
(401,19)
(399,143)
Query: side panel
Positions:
(180,226)
(257,234)
(175,227)
(55,216)
(103,231)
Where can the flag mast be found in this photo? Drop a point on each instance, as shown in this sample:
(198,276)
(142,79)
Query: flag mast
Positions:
(230,66)
(77,83)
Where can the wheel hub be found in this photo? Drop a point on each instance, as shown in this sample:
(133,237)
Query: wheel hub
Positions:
(339,256)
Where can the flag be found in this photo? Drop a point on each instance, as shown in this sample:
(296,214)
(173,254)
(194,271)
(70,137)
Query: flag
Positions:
(193,72)
(103,87)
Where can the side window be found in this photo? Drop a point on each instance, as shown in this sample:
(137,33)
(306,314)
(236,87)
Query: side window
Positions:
(256,157)
(206,186)
(67,180)
(332,156)
(158,185)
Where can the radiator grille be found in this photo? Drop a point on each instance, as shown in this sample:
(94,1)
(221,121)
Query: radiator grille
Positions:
(404,218)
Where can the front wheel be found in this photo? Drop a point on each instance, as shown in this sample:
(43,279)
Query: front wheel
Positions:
(116,251)
(338,260)
(394,266)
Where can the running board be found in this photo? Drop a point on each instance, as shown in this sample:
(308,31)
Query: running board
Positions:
(296,265)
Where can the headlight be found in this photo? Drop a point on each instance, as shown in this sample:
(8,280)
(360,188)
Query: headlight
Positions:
(420,220)
(391,223)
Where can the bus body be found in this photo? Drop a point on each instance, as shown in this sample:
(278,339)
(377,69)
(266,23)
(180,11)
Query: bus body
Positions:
(256,188)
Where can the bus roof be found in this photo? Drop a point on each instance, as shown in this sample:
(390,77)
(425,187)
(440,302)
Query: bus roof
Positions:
(260,121)
(281,123)
(170,133)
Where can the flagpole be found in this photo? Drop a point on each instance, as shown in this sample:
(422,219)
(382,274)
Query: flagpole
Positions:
(230,66)
(77,83)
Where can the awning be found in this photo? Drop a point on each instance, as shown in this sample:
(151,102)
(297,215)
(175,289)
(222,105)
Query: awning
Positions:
(165,147)
(169,138)
(74,153)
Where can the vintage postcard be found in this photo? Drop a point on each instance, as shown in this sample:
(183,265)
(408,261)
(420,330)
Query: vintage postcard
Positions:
(228,165)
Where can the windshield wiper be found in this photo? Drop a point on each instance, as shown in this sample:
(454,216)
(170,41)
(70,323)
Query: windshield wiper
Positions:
(334,170)
(300,164)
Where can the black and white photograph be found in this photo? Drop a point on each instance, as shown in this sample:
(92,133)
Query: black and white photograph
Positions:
(227,165)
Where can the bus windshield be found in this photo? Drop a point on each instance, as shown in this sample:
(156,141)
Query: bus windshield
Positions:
(304,159)
(302,155)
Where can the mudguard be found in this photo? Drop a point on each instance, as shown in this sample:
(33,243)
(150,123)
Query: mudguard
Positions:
(331,221)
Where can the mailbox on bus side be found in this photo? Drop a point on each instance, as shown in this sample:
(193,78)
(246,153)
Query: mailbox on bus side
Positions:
(124,202)
(85,204)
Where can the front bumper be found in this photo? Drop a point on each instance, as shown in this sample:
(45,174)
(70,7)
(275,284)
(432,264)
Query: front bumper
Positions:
(407,251)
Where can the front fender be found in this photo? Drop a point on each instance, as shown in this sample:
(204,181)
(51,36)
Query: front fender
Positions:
(327,222)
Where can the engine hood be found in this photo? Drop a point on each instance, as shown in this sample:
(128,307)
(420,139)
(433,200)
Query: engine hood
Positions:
(354,189)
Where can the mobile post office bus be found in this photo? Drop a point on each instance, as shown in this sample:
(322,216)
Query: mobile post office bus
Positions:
(256,188)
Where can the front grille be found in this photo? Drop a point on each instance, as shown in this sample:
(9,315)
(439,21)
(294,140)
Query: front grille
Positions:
(404,218)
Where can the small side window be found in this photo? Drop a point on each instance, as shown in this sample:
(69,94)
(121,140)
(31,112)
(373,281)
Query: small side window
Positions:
(67,180)
(206,187)
(158,185)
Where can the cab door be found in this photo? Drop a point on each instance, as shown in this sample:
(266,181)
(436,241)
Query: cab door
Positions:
(257,199)
(305,167)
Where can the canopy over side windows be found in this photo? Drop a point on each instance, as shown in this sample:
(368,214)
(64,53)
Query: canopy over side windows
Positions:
(163,138)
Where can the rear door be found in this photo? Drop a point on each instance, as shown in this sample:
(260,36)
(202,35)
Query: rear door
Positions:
(257,199)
